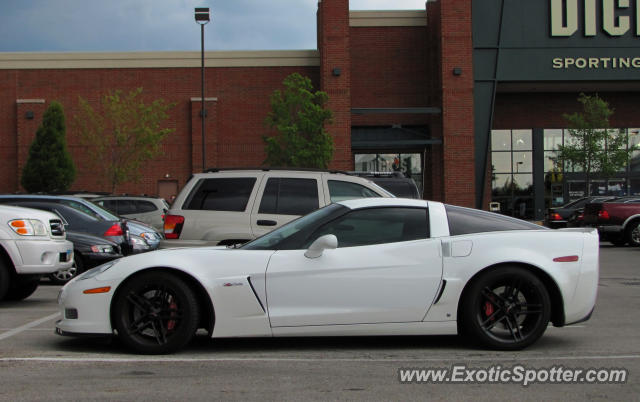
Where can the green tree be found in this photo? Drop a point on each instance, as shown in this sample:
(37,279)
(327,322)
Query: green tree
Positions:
(594,148)
(298,115)
(123,134)
(49,167)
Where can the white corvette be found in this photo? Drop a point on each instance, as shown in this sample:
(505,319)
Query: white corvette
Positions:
(378,266)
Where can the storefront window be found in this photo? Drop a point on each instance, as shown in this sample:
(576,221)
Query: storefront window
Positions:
(552,138)
(410,164)
(512,171)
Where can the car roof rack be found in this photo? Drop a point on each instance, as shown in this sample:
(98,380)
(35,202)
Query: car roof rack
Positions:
(267,169)
(395,174)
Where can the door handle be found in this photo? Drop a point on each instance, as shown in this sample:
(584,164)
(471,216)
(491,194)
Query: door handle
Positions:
(264,222)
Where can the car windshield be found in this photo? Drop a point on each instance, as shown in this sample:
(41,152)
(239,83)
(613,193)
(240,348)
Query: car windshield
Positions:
(273,240)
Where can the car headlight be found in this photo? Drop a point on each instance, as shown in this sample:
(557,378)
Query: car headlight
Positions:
(97,270)
(139,243)
(103,248)
(28,227)
(148,236)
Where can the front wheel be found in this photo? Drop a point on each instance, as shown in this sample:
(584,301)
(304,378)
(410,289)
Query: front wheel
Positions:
(63,276)
(155,313)
(506,309)
(22,289)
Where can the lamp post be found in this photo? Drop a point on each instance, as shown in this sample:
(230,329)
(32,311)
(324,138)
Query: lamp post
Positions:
(202,18)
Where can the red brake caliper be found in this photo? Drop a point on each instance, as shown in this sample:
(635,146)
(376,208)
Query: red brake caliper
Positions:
(172,323)
(488,308)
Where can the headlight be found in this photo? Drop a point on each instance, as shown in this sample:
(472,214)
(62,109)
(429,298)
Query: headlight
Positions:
(28,227)
(139,243)
(97,270)
(102,249)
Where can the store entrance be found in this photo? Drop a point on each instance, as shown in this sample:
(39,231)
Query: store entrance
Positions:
(410,164)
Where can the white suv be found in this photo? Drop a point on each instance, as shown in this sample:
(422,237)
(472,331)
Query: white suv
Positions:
(223,207)
(32,243)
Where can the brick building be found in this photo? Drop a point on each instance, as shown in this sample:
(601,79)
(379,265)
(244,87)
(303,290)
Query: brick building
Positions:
(434,92)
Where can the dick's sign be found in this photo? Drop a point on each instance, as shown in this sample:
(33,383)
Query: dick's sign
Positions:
(618,17)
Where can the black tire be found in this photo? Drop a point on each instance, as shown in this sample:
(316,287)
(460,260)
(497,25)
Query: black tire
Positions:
(5,277)
(632,233)
(21,289)
(618,242)
(155,313)
(507,308)
(65,275)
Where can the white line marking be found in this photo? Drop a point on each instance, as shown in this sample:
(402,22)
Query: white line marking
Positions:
(25,327)
(275,359)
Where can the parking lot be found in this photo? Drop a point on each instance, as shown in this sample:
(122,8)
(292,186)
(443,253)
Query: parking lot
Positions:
(38,365)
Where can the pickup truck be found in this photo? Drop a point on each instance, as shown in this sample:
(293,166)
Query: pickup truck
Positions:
(32,243)
(617,222)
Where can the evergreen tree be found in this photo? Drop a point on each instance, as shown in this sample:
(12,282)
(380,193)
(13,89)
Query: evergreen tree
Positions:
(49,167)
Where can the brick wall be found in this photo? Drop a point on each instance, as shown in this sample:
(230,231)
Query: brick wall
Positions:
(234,128)
(455,51)
(334,45)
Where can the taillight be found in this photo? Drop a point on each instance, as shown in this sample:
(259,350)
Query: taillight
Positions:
(556,217)
(173,226)
(604,215)
(114,230)
(580,217)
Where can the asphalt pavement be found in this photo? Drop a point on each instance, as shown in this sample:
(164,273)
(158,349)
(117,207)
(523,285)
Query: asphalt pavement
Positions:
(36,364)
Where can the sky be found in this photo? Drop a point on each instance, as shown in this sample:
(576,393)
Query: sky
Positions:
(159,25)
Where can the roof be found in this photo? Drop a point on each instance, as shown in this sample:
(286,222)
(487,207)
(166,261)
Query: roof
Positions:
(383,202)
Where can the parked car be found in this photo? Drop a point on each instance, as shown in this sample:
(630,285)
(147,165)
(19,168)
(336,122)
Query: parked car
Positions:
(374,266)
(32,243)
(570,214)
(144,209)
(394,182)
(617,221)
(223,207)
(79,221)
(88,251)
(137,230)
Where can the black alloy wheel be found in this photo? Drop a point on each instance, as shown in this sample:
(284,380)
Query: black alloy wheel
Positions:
(506,308)
(155,313)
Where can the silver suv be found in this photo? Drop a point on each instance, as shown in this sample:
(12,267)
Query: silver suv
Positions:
(144,209)
(223,207)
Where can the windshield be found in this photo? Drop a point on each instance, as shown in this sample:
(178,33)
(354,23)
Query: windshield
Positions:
(280,238)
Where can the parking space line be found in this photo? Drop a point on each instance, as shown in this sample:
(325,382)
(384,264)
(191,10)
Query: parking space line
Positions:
(284,359)
(30,325)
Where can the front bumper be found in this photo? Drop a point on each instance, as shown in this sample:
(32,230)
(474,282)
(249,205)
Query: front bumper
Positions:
(85,313)
(43,256)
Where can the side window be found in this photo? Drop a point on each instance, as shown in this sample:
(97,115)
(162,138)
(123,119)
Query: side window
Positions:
(126,207)
(224,194)
(466,220)
(344,190)
(145,206)
(284,196)
(376,226)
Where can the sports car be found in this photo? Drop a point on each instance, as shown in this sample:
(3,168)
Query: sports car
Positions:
(377,266)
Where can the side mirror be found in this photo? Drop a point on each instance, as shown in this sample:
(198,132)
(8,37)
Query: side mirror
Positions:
(326,242)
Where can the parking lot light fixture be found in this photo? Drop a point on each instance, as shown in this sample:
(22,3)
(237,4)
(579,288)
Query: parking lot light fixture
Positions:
(202,18)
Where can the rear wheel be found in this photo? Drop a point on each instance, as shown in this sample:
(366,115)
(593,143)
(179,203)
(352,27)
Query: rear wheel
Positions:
(632,233)
(155,313)
(507,309)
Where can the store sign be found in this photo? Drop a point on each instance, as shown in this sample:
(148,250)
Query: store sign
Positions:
(617,16)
